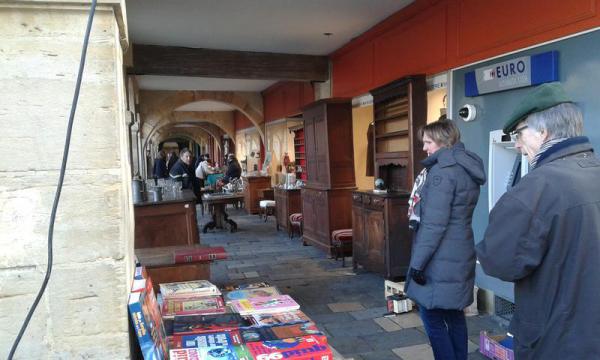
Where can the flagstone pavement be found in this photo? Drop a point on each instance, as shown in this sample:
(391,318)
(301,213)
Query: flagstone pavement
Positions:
(347,306)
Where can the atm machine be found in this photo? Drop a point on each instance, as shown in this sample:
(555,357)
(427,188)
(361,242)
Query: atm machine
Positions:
(572,61)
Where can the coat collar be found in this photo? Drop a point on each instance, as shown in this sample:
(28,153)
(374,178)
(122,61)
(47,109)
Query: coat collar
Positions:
(570,146)
(443,157)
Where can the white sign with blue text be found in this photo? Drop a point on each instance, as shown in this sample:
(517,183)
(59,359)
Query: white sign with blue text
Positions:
(511,74)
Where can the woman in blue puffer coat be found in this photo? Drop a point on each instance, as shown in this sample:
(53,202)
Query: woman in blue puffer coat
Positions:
(442,266)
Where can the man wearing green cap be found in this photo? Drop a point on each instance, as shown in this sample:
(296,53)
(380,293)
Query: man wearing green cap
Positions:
(544,233)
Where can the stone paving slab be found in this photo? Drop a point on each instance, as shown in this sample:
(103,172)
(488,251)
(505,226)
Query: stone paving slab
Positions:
(415,352)
(369,313)
(387,324)
(408,320)
(345,306)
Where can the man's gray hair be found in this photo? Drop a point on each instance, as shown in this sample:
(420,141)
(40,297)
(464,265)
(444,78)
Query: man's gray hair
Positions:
(561,121)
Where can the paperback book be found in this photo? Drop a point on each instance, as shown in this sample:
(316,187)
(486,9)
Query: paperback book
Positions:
(261,305)
(267,291)
(193,306)
(199,324)
(300,348)
(147,323)
(287,317)
(212,353)
(276,332)
(199,254)
(224,338)
(188,289)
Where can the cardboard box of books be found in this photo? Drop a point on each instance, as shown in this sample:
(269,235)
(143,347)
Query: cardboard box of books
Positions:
(498,347)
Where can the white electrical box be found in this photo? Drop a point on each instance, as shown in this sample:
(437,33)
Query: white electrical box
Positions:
(506,166)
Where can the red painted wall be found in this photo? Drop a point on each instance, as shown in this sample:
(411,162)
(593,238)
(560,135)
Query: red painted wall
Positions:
(284,99)
(241,121)
(431,36)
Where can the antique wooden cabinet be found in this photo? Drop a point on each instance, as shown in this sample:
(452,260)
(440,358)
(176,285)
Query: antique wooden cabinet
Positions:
(400,109)
(329,150)
(381,239)
(168,222)
(253,193)
(288,201)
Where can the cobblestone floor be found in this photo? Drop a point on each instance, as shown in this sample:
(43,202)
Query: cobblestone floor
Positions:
(347,306)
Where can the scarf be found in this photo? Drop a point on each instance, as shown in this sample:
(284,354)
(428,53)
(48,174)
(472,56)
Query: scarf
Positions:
(545,146)
(414,207)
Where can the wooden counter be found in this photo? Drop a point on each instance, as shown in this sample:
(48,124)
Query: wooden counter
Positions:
(252,194)
(169,222)
(288,201)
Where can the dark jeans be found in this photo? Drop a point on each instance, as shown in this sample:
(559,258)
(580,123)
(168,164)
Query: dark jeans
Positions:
(447,331)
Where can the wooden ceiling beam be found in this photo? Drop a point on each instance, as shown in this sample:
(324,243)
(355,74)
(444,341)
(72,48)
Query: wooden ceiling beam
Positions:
(229,64)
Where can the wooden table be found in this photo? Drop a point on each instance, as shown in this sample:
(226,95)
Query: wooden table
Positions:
(218,201)
(171,221)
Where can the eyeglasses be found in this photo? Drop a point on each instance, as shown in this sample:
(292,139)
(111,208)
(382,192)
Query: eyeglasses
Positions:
(515,135)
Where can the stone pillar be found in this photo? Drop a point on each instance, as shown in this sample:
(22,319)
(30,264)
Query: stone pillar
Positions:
(83,313)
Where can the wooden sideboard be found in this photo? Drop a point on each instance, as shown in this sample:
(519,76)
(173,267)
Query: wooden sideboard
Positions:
(381,239)
(166,223)
(253,192)
(288,201)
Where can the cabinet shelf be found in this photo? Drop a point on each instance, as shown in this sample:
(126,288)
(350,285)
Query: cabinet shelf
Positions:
(392,134)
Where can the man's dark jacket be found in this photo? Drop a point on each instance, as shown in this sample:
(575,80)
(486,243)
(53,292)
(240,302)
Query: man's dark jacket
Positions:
(184,173)
(544,235)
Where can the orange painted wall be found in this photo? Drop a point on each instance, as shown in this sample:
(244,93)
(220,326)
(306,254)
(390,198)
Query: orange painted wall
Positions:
(431,36)
(284,99)
(241,121)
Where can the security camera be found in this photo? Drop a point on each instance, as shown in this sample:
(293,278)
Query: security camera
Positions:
(468,112)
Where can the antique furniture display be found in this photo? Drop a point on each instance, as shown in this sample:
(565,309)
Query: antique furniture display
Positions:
(253,192)
(299,153)
(326,198)
(400,109)
(217,203)
(381,239)
(288,202)
(171,221)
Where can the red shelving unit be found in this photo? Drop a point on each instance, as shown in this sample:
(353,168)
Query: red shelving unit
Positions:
(299,153)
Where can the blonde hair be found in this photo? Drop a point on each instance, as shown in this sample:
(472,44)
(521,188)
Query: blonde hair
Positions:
(442,132)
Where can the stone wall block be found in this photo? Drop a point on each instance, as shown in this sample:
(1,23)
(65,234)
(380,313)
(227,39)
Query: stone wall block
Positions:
(18,288)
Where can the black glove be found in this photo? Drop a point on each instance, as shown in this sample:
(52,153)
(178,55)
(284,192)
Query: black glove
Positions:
(418,276)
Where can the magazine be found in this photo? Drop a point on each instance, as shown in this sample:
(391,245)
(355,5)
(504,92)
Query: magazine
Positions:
(188,288)
(288,317)
(193,306)
(223,338)
(275,332)
(198,324)
(299,348)
(239,294)
(261,305)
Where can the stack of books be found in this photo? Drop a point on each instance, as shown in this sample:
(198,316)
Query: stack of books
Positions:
(191,298)
(251,322)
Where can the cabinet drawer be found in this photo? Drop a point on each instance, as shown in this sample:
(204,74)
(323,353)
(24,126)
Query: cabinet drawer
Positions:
(373,202)
(356,198)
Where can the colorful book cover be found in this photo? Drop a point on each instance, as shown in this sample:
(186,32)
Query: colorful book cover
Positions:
(261,305)
(148,324)
(267,291)
(199,254)
(199,324)
(288,317)
(299,348)
(212,353)
(193,306)
(275,332)
(224,338)
(189,288)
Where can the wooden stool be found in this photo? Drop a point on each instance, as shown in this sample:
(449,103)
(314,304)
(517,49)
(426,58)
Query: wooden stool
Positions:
(267,207)
(295,223)
(342,244)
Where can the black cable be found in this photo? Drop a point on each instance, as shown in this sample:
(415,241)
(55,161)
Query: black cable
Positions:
(60,181)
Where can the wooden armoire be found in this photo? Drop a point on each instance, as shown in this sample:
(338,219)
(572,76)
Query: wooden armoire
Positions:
(381,237)
(329,150)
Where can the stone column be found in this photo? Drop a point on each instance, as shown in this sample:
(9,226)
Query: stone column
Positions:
(83,313)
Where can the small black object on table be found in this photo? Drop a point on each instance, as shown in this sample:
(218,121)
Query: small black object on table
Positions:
(218,201)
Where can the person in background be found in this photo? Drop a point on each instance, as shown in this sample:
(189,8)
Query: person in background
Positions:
(159,170)
(183,172)
(171,160)
(442,265)
(544,233)
(204,169)
(234,169)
